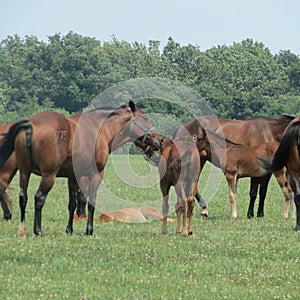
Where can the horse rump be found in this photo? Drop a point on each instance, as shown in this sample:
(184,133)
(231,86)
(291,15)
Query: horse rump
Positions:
(8,142)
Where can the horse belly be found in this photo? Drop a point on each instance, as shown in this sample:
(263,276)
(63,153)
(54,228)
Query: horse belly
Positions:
(251,172)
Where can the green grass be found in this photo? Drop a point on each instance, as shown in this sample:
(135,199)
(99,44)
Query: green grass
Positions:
(223,259)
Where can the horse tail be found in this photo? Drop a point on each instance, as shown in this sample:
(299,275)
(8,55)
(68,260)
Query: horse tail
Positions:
(290,138)
(8,143)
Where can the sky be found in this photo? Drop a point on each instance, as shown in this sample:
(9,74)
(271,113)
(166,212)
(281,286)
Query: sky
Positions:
(205,23)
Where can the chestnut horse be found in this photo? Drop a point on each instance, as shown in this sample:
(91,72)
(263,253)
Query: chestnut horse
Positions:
(250,132)
(288,155)
(179,166)
(241,161)
(51,145)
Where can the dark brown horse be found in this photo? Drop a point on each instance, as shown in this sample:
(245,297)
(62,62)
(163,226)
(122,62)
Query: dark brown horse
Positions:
(288,155)
(52,145)
(249,132)
(179,166)
(241,161)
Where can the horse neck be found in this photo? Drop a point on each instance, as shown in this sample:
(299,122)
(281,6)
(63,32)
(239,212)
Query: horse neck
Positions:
(105,127)
(112,128)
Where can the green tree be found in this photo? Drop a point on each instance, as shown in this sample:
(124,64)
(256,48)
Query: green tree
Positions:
(239,81)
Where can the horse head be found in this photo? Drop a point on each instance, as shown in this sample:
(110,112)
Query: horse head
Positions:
(143,133)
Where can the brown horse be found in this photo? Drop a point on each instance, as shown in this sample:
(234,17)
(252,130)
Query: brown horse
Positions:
(51,145)
(179,166)
(7,173)
(250,132)
(240,161)
(288,155)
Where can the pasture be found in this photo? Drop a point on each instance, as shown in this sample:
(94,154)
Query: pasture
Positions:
(223,259)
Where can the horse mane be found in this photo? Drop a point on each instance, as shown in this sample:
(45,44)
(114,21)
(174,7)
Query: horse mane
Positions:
(108,110)
(105,108)
(283,117)
(291,137)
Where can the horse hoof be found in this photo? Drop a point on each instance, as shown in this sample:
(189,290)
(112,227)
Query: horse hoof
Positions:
(204,216)
(38,234)
(7,218)
(89,232)
(69,231)
(260,215)
(297,228)
(190,232)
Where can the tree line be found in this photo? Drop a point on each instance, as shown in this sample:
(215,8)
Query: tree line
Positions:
(66,72)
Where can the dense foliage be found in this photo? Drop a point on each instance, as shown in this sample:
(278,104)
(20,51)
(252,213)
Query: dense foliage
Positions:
(65,73)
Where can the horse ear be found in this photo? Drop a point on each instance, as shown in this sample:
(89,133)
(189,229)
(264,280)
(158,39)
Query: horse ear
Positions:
(132,106)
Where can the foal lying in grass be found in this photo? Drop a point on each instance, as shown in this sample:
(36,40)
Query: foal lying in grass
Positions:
(179,166)
(241,161)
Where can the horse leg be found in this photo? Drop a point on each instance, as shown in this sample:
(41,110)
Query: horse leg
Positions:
(295,185)
(165,188)
(6,212)
(184,217)
(191,205)
(181,209)
(253,193)
(81,204)
(297,204)
(93,186)
(203,205)
(81,197)
(45,186)
(179,212)
(7,174)
(72,186)
(292,205)
(286,190)
(23,197)
(231,180)
(262,194)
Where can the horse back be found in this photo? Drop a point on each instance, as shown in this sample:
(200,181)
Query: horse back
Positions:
(256,130)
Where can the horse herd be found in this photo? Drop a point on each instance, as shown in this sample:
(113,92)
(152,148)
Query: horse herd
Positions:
(51,145)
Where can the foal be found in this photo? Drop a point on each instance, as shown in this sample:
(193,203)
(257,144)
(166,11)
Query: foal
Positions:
(241,161)
(179,166)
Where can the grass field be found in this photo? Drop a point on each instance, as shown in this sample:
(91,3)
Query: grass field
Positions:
(223,259)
